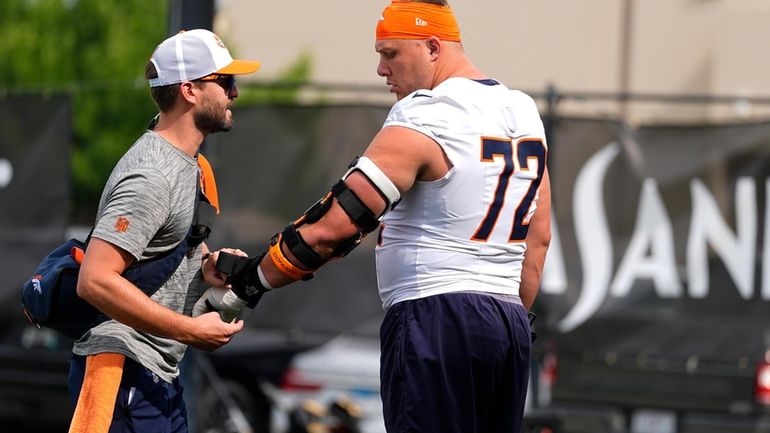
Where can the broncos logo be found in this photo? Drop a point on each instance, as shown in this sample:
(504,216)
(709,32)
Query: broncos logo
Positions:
(121,225)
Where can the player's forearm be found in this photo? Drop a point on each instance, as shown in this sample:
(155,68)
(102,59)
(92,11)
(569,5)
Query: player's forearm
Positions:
(531,275)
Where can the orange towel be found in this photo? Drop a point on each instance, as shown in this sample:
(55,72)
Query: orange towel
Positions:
(207,182)
(96,403)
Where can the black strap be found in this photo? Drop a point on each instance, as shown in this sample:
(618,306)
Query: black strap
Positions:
(354,207)
(230,264)
(300,249)
(149,275)
(203,221)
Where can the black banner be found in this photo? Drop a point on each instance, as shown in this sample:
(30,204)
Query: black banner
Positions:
(35,140)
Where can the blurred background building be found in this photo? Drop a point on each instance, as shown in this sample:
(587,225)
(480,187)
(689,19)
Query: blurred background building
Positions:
(667,47)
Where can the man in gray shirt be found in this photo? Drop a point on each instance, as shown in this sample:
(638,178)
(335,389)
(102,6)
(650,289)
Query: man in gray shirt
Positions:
(124,372)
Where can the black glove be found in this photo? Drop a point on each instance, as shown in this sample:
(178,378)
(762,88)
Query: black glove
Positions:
(532,316)
(242,274)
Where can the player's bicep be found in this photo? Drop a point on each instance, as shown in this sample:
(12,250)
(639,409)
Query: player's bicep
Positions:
(403,154)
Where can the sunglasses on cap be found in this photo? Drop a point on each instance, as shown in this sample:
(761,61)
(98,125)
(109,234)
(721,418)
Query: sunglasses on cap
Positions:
(226,81)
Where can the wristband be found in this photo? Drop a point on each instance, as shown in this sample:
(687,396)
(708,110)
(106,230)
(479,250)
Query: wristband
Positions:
(283,264)
(263,280)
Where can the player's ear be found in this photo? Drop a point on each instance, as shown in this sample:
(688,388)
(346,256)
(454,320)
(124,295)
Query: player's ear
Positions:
(434,46)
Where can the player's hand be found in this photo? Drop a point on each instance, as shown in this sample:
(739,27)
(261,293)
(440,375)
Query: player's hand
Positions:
(211,275)
(224,301)
(243,277)
(209,332)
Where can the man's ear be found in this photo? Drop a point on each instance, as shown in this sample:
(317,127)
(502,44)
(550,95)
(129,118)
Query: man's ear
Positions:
(434,46)
(187,91)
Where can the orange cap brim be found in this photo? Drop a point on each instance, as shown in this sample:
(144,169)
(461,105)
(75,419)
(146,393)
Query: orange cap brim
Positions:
(240,67)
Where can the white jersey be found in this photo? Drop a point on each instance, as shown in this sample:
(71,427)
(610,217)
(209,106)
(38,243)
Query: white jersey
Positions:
(466,231)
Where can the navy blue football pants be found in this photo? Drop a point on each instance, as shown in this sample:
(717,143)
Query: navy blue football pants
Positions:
(455,363)
(145,403)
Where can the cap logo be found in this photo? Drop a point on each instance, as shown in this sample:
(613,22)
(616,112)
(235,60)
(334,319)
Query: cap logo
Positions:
(420,22)
(219,42)
(121,225)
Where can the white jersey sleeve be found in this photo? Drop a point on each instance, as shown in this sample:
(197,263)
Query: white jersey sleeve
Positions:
(466,231)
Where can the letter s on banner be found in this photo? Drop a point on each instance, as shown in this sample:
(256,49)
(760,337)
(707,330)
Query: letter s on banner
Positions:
(6,172)
(593,236)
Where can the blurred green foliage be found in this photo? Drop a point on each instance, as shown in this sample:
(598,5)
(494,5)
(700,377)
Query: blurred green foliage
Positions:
(286,90)
(94,50)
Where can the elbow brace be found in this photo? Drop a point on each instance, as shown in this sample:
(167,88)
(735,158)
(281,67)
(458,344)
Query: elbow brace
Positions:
(246,276)
(363,217)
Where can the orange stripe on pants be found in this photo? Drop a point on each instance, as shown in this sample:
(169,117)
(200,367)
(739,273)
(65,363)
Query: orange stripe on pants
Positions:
(96,403)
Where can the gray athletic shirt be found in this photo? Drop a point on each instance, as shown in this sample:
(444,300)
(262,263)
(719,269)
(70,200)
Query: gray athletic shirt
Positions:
(146,209)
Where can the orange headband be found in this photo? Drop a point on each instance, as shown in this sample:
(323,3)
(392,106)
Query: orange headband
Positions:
(415,20)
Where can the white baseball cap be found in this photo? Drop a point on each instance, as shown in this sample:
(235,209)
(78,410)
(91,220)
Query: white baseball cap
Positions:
(194,54)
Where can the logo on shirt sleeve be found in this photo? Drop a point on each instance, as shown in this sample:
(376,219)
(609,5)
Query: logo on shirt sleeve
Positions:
(121,225)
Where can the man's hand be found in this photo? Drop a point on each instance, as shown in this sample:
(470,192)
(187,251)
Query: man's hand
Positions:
(209,332)
(211,275)
(242,286)
(225,301)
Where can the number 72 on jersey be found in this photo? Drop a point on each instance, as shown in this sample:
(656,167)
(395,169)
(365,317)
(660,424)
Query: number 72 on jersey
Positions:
(524,161)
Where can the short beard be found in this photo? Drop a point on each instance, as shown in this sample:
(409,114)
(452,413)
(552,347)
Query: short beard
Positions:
(210,119)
